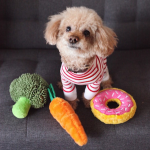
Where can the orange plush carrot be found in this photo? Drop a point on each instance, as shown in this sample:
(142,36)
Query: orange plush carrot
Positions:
(62,111)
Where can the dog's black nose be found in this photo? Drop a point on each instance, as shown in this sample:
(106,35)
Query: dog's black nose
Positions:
(73,39)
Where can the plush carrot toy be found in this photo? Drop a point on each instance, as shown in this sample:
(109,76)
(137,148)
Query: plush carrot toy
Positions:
(62,111)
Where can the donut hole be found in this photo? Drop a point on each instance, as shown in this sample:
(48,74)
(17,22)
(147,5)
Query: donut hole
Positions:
(112,104)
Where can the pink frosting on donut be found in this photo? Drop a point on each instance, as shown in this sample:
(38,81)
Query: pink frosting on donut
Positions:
(101,99)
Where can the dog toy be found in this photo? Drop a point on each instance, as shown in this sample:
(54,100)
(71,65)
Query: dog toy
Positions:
(126,106)
(28,90)
(62,111)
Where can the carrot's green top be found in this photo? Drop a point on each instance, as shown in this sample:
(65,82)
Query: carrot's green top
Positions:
(51,92)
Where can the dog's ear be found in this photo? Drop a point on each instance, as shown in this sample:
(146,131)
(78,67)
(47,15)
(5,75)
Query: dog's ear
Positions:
(106,41)
(52,29)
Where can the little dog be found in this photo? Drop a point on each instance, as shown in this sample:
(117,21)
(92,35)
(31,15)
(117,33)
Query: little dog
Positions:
(84,43)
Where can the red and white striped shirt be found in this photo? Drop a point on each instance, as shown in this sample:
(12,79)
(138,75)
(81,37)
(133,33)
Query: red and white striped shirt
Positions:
(92,78)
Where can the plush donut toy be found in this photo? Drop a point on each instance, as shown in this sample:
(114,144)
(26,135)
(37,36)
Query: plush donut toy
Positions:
(124,110)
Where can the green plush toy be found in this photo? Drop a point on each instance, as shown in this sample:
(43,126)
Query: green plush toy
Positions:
(29,90)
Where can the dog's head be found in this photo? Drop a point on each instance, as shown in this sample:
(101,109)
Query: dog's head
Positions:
(79,31)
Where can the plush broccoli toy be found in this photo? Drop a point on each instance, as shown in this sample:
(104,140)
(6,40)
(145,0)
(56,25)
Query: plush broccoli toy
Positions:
(28,90)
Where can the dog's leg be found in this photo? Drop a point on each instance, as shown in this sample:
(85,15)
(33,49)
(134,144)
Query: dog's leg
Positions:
(70,93)
(106,81)
(88,95)
(90,91)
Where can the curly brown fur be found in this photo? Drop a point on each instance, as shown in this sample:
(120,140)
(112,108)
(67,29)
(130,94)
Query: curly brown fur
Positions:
(59,84)
(74,103)
(85,101)
(107,84)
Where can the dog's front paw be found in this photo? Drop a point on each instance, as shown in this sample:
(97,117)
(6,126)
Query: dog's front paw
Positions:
(74,103)
(86,102)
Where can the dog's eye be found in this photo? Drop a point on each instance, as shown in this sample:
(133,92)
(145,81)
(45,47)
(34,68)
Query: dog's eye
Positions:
(86,32)
(68,29)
